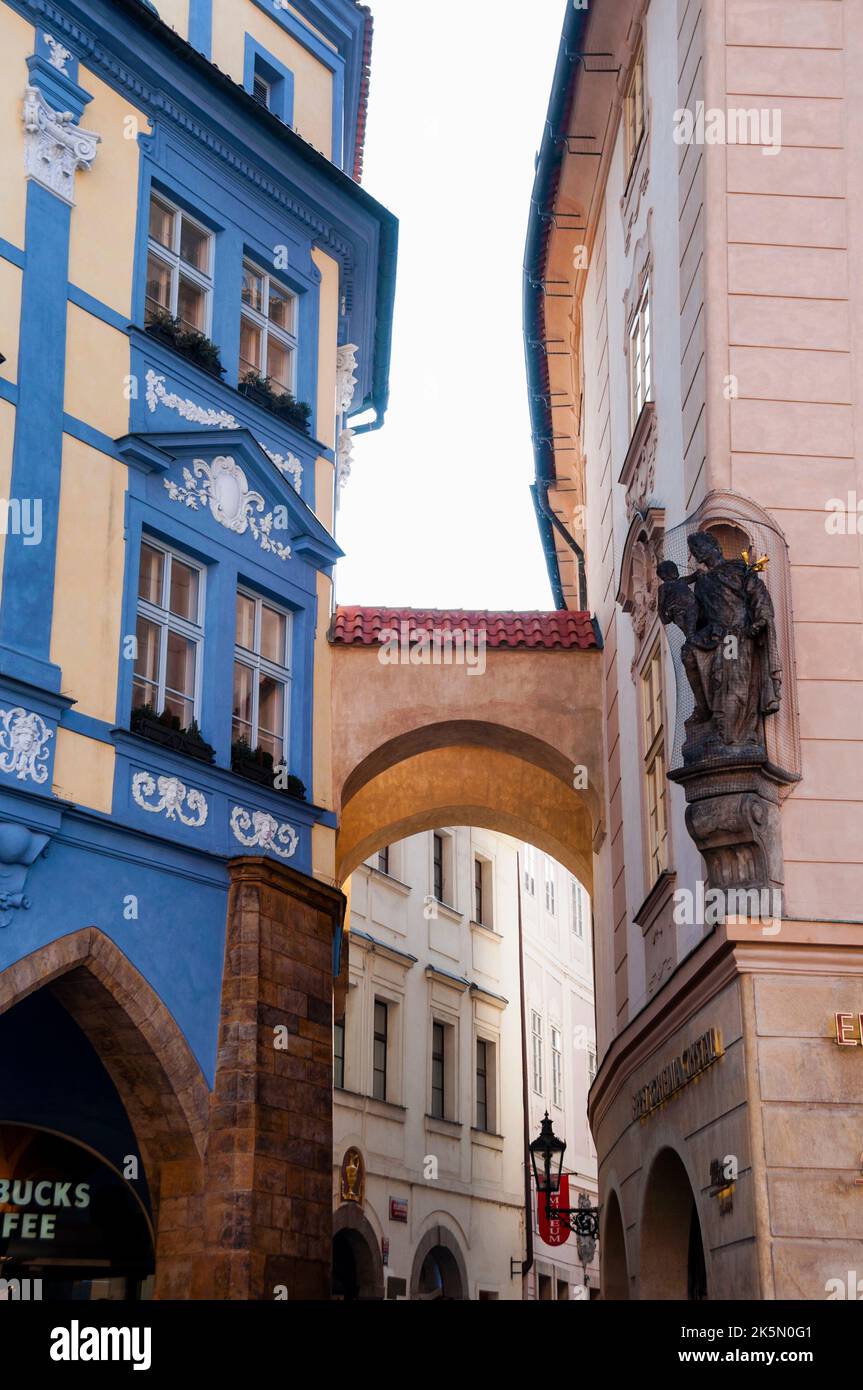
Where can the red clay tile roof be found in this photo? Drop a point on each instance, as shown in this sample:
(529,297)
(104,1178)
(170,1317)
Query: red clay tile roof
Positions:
(552,631)
(365,83)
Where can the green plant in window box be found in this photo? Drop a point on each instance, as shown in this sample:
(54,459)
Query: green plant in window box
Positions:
(195,346)
(258,766)
(166,729)
(261,390)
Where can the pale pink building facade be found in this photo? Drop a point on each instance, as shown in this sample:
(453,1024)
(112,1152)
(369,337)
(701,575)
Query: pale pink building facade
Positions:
(695,331)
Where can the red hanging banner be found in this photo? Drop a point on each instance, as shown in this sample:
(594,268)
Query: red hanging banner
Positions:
(551,1230)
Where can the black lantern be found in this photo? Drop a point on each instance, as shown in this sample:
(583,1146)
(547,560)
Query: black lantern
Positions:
(547,1152)
(546,1157)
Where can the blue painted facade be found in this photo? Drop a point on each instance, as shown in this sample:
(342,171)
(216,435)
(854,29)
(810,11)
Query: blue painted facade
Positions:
(151,872)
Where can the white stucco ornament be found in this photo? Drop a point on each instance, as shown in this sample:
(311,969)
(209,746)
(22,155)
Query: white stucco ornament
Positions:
(59,54)
(54,147)
(258,829)
(222,485)
(344,457)
(24,739)
(346,380)
(288,465)
(172,797)
(158,394)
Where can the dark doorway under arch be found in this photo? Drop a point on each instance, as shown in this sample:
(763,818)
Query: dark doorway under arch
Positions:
(439,1269)
(358,1273)
(439,1276)
(673,1264)
(615,1278)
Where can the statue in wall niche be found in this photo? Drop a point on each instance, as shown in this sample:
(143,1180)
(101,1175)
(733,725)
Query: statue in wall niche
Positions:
(730,653)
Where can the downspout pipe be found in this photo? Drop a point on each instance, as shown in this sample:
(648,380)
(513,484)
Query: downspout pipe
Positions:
(527,1262)
(539,491)
(549,164)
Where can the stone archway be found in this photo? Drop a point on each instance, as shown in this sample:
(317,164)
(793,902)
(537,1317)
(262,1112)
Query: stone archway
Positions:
(360,1244)
(515,747)
(468,784)
(615,1275)
(153,1070)
(672,1259)
(438,1261)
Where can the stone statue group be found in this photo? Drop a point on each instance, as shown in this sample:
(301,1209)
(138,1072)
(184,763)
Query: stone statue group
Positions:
(730,652)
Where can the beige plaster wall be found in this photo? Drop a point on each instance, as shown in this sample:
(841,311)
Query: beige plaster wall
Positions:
(784,236)
(707,1119)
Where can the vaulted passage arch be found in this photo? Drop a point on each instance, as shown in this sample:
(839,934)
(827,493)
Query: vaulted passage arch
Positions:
(469,784)
(511,744)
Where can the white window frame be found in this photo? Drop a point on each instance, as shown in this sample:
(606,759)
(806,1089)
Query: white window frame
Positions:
(258,664)
(537,1068)
(449,883)
(652,700)
(577,909)
(161,616)
(591,1065)
(491,1095)
(634,112)
(260,319)
(550,887)
(171,257)
(641,353)
(529,871)
(557,1066)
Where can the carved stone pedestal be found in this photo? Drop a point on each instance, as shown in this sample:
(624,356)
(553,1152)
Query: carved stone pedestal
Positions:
(733,816)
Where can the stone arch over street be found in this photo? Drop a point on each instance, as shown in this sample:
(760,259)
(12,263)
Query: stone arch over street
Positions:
(421,745)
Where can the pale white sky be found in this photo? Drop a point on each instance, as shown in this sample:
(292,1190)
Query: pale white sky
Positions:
(437,511)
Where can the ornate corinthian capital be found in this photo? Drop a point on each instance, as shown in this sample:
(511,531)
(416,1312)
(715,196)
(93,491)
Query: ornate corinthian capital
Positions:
(54,147)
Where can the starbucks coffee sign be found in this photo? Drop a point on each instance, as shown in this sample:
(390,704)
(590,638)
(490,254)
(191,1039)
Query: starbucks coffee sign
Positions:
(48,1197)
(693,1060)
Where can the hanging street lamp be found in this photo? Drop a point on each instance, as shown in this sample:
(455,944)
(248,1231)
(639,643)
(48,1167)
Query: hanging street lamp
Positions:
(546,1157)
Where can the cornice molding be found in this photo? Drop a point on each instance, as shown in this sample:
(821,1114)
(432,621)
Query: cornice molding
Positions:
(698,978)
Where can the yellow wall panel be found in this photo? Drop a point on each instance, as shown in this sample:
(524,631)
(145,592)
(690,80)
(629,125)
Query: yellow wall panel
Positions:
(176,14)
(324,499)
(97,365)
(102,239)
(324,853)
(328,336)
(10,316)
(7,439)
(322,713)
(18,39)
(313,83)
(84,770)
(88,592)
(317,33)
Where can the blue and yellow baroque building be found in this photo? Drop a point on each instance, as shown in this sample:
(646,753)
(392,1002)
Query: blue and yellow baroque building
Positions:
(195,298)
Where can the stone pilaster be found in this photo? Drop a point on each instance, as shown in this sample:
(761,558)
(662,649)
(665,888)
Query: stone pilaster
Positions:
(268,1202)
